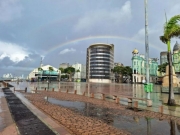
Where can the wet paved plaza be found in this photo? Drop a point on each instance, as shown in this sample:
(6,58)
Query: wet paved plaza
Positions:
(136,125)
(113,115)
(134,90)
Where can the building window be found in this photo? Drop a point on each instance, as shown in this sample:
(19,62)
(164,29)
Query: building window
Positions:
(134,63)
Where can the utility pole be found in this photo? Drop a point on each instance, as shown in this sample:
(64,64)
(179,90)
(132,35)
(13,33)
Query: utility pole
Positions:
(146,46)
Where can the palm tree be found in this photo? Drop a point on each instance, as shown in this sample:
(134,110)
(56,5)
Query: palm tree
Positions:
(77,71)
(62,70)
(50,70)
(40,69)
(69,73)
(171,30)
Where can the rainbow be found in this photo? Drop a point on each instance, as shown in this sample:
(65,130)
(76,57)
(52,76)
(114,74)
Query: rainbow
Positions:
(99,37)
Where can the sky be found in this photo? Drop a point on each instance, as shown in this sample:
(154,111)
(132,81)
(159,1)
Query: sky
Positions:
(60,31)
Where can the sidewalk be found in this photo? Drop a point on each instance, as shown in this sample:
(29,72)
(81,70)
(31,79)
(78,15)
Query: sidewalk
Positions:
(7,125)
(59,130)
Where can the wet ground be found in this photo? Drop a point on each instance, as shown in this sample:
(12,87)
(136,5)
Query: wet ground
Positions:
(134,90)
(80,109)
(26,121)
(133,124)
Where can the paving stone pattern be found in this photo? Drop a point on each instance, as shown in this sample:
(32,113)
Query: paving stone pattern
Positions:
(79,124)
(75,122)
(26,121)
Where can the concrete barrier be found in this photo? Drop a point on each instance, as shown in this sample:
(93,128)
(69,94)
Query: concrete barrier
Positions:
(84,93)
(92,95)
(136,104)
(117,100)
(161,109)
(149,103)
(103,96)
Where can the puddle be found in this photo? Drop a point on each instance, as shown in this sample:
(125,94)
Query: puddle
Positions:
(69,104)
(133,124)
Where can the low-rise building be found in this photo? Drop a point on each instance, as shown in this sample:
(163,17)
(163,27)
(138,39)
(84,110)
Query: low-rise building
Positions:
(176,58)
(80,72)
(139,68)
(44,74)
(163,57)
(64,65)
(118,64)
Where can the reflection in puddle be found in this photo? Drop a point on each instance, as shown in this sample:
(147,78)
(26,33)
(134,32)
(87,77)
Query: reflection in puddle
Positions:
(134,124)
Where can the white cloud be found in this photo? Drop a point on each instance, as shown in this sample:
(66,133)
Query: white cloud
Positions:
(15,52)
(67,51)
(10,9)
(105,18)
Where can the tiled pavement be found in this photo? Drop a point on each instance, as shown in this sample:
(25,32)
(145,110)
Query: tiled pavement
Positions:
(7,125)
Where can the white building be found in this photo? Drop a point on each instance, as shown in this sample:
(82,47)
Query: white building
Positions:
(8,75)
(44,74)
(64,65)
(80,72)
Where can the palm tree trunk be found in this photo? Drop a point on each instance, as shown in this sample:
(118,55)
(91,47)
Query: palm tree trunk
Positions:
(171,100)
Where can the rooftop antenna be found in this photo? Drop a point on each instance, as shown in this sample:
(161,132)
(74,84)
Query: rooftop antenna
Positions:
(165,16)
(41,62)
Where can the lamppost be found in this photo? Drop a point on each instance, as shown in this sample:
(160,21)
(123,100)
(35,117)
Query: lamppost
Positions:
(146,46)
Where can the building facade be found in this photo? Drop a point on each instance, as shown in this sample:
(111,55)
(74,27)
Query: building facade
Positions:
(139,68)
(176,58)
(80,72)
(64,65)
(163,58)
(99,63)
(118,64)
(45,74)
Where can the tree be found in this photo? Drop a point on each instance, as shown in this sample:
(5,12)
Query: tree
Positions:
(123,70)
(50,70)
(162,67)
(62,70)
(171,30)
(64,76)
(40,69)
(69,71)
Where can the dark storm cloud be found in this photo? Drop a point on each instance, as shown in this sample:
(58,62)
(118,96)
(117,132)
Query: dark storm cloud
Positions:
(5,62)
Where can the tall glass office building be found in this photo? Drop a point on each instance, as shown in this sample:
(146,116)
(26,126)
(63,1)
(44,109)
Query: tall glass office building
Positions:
(100,62)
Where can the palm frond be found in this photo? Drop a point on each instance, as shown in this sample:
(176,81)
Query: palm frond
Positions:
(175,31)
(171,29)
(171,23)
(163,39)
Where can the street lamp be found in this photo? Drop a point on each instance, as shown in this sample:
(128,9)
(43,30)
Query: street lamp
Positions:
(146,46)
